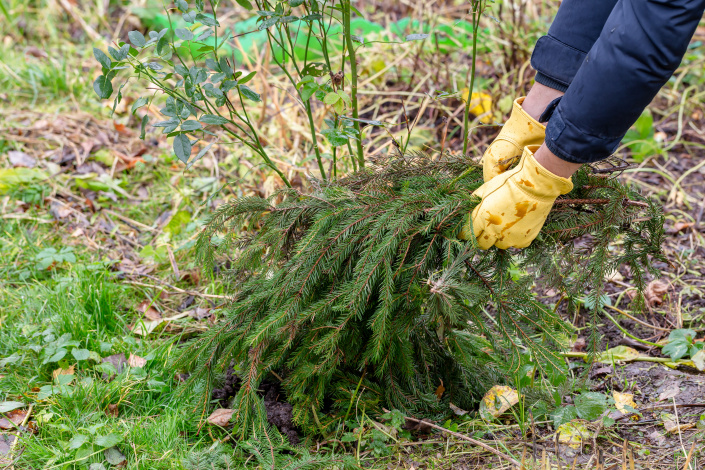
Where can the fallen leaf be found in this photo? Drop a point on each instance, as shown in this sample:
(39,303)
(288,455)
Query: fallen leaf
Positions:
(624,402)
(457,411)
(655,292)
(200,313)
(221,417)
(616,276)
(699,360)
(601,371)
(679,227)
(60,371)
(34,51)
(136,361)
(657,438)
(150,313)
(112,411)
(145,327)
(59,211)
(579,345)
(671,426)
(118,361)
(18,158)
(573,433)
(671,392)
(497,400)
(440,390)
(618,354)
(6,441)
(16,416)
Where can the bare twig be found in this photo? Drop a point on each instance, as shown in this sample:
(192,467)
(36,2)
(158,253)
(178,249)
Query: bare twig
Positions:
(468,439)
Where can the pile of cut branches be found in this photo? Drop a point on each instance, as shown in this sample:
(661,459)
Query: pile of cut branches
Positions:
(360,292)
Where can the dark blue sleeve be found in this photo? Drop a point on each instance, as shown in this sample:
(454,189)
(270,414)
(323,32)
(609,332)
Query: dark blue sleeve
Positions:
(640,46)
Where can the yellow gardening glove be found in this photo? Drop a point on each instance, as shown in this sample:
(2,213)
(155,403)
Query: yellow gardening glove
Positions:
(518,132)
(515,204)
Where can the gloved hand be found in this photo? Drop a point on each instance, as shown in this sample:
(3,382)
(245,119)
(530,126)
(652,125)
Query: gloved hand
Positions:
(515,204)
(519,131)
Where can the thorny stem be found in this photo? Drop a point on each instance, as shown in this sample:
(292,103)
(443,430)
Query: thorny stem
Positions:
(353,79)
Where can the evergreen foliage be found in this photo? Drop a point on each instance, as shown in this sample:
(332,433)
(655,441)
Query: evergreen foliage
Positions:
(361,292)
(268,449)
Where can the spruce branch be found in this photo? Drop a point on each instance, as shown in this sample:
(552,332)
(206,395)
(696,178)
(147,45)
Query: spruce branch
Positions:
(367,274)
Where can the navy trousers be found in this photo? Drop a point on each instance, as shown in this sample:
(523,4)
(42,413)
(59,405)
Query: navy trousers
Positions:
(610,57)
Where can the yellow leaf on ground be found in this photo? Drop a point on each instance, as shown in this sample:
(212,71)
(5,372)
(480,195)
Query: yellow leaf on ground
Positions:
(497,401)
(624,400)
(573,433)
(618,354)
(480,105)
(58,372)
(699,360)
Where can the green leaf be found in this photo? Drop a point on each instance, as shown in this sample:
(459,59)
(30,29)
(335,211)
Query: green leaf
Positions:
(114,456)
(336,137)
(268,23)
(138,104)
(6,406)
(97,466)
(564,415)
(102,87)
(207,20)
(119,54)
(205,35)
(182,5)
(213,119)
(181,70)
(191,125)
(645,124)
(198,74)
(296,3)
(184,33)
(416,37)
(245,4)
(109,440)
(590,405)
(199,155)
(308,90)
(77,441)
(59,355)
(81,354)
(102,58)
(676,349)
(331,98)
(684,334)
(248,93)
(247,78)
(189,17)
(182,147)
(136,38)
(315,69)
(143,128)
(168,126)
